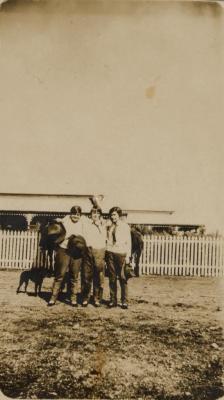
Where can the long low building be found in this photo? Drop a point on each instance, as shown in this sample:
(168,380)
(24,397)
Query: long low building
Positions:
(22,210)
(29,210)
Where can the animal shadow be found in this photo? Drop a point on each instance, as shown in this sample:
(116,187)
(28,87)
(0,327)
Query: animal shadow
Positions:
(35,275)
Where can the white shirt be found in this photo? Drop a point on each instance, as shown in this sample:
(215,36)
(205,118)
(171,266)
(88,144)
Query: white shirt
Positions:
(73,228)
(96,235)
(122,244)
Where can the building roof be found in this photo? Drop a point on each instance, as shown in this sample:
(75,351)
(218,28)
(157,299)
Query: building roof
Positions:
(51,202)
(139,211)
(5,194)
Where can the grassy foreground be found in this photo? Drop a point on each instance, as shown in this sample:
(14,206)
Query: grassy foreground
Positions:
(167,346)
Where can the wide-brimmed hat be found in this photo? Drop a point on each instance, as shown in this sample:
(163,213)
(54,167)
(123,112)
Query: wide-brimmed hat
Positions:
(127,272)
(76,246)
(55,232)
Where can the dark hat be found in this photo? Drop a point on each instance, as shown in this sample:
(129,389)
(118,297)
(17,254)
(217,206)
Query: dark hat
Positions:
(76,246)
(55,232)
(127,272)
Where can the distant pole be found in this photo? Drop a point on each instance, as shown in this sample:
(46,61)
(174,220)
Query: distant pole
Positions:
(29,218)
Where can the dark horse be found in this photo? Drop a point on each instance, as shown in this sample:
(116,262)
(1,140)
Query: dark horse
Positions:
(48,243)
(136,248)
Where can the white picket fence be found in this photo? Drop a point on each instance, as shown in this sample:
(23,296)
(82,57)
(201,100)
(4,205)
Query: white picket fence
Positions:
(162,255)
(186,256)
(20,250)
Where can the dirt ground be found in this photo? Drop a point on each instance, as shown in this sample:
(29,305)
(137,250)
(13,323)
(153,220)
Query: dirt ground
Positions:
(167,346)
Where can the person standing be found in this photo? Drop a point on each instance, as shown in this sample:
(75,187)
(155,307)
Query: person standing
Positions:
(74,225)
(118,253)
(94,259)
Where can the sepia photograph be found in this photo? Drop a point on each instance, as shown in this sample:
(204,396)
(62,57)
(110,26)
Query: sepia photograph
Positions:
(112,199)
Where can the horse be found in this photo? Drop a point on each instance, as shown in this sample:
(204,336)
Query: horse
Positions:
(136,248)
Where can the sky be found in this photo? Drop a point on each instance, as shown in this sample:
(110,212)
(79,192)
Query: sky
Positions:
(122,98)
